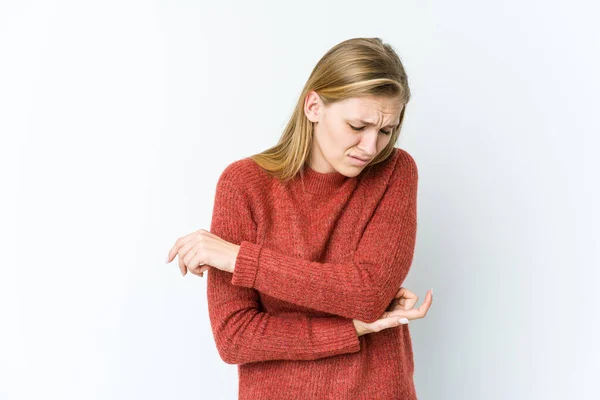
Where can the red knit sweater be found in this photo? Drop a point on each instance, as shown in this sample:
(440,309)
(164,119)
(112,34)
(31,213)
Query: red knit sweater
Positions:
(315,253)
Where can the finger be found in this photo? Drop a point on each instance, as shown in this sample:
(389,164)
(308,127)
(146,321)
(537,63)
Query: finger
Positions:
(389,322)
(395,314)
(174,250)
(182,266)
(195,263)
(195,271)
(401,313)
(400,307)
(406,301)
(404,292)
(399,293)
(406,298)
(184,256)
(428,301)
(409,303)
(200,271)
(189,258)
(411,314)
(178,244)
(421,312)
(410,297)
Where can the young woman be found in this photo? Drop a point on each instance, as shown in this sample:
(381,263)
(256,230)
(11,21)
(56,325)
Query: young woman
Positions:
(311,240)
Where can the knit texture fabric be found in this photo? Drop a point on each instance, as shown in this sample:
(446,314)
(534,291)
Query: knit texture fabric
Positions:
(315,254)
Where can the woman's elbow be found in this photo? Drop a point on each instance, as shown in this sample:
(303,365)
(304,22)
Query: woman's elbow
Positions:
(230,338)
(226,351)
(229,358)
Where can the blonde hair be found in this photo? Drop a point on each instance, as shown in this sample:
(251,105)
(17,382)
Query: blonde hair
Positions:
(353,68)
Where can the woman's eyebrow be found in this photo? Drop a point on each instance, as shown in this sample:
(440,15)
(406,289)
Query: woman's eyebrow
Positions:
(370,123)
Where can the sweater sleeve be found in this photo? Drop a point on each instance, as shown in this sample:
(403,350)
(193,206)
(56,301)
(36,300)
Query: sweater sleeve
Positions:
(244,333)
(361,289)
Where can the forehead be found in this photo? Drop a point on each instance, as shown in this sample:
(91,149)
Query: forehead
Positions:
(372,107)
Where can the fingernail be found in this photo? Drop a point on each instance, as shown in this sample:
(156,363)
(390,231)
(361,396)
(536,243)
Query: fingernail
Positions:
(182,274)
(403,320)
(431,292)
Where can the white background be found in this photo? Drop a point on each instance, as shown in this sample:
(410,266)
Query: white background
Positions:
(117,117)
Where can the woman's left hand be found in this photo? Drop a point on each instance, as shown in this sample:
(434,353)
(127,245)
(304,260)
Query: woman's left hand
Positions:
(200,250)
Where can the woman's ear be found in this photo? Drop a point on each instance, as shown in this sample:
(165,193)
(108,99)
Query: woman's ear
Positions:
(312,106)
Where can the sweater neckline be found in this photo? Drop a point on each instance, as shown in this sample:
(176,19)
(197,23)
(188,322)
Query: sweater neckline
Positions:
(321,183)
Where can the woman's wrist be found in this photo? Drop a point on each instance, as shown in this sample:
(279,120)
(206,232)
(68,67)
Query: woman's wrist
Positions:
(358,328)
(233,257)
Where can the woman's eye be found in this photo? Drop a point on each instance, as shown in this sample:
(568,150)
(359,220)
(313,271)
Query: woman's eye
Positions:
(360,128)
(357,128)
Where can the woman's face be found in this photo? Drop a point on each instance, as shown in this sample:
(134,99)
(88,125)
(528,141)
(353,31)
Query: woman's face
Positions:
(355,127)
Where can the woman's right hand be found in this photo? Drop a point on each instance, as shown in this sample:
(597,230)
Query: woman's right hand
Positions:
(398,313)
